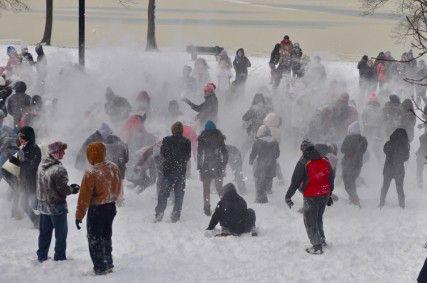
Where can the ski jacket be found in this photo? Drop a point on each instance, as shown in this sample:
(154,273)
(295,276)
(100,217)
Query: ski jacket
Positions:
(208,110)
(101,184)
(212,155)
(353,148)
(313,176)
(175,152)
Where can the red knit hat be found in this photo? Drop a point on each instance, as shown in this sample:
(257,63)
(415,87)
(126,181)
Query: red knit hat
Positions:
(143,96)
(372,97)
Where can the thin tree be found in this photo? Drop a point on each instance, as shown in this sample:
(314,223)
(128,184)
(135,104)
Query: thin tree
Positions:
(151,26)
(47,35)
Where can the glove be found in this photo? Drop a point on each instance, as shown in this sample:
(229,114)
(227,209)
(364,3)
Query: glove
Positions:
(75,188)
(330,201)
(289,202)
(78,222)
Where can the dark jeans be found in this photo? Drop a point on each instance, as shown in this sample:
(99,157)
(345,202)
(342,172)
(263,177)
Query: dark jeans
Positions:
(262,186)
(398,179)
(206,182)
(47,224)
(99,231)
(349,176)
(169,183)
(314,207)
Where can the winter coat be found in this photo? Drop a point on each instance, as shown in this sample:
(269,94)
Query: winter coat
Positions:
(302,177)
(175,152)
(101,184)
(275,56)
(234,157)
(81,160)
(353,148)
(408,119)
(28,161)
(52,186)
(5,92)
(397,153)
(392,113)
(254,117)
(212,155)
(118,109)
(17,104)
(364,70)
(274,122)
(118,153)
(208,110)
(27,58)
(231,213)
(241,65)
(264,155)
(372,116)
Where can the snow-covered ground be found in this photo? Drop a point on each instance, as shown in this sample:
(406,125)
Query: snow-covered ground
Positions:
(366,245)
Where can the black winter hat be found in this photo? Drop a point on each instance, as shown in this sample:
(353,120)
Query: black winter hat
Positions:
(20,86)
(27,133)
(305,145)
(394,99)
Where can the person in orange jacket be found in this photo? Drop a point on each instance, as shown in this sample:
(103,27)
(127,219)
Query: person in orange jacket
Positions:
(101,188)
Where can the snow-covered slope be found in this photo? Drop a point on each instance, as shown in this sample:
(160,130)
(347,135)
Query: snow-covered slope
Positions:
(366,245)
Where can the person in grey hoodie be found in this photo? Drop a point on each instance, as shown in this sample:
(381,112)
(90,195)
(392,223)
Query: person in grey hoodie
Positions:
(353,148)
(264,155)
(52,190)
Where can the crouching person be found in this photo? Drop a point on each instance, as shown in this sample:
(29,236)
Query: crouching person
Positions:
(232,214)
(100,189)
(52,190)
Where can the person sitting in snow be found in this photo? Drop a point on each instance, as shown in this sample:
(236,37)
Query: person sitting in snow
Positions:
(232,214)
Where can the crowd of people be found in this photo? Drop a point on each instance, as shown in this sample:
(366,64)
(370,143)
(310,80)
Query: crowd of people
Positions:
(335,143)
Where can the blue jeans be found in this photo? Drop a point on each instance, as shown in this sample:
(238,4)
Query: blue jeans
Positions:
(47,224)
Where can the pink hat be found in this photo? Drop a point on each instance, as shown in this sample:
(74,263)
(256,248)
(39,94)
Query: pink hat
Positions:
(372,97)
(209,88)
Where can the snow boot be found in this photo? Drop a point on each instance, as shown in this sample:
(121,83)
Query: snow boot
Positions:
(158,217)
(175,217)
(207,210)
(315,250)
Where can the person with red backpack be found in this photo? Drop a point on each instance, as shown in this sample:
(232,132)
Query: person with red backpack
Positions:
(314,177)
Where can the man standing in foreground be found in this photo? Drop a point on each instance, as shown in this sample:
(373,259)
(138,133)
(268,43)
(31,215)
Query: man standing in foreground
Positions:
(314,176)
(100,189)
(52,190)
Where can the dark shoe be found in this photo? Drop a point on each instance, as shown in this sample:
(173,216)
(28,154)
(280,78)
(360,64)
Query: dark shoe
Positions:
(315,250)
(158,217)
(207,210)
(102,272)
(175,217)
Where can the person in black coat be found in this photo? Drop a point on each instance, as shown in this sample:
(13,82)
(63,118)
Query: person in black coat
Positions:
(353,148)
(241,64)
(99,135)
(28,160)
(397,153)
(118,153)
(212,159)
(208,110)
(232,213)
(274,61)
(175,151)
(18,102)
(264,155)
(364,74)
(116,107)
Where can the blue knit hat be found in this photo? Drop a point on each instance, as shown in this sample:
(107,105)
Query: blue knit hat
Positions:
(210,125)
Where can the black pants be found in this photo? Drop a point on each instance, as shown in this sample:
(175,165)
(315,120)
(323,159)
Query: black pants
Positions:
(349,176)
(245,227)
(99,231)
(398,179)
(169,183)
(314,207)
(262,186)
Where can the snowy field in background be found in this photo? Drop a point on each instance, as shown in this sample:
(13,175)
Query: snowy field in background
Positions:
(366,245)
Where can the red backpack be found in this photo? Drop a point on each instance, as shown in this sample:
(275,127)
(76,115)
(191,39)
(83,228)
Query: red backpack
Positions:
(318,178)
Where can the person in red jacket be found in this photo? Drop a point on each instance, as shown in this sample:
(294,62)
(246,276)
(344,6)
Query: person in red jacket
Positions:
(314,177)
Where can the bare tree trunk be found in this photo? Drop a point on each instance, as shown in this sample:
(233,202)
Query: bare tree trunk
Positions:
(151,26)
(48,25)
